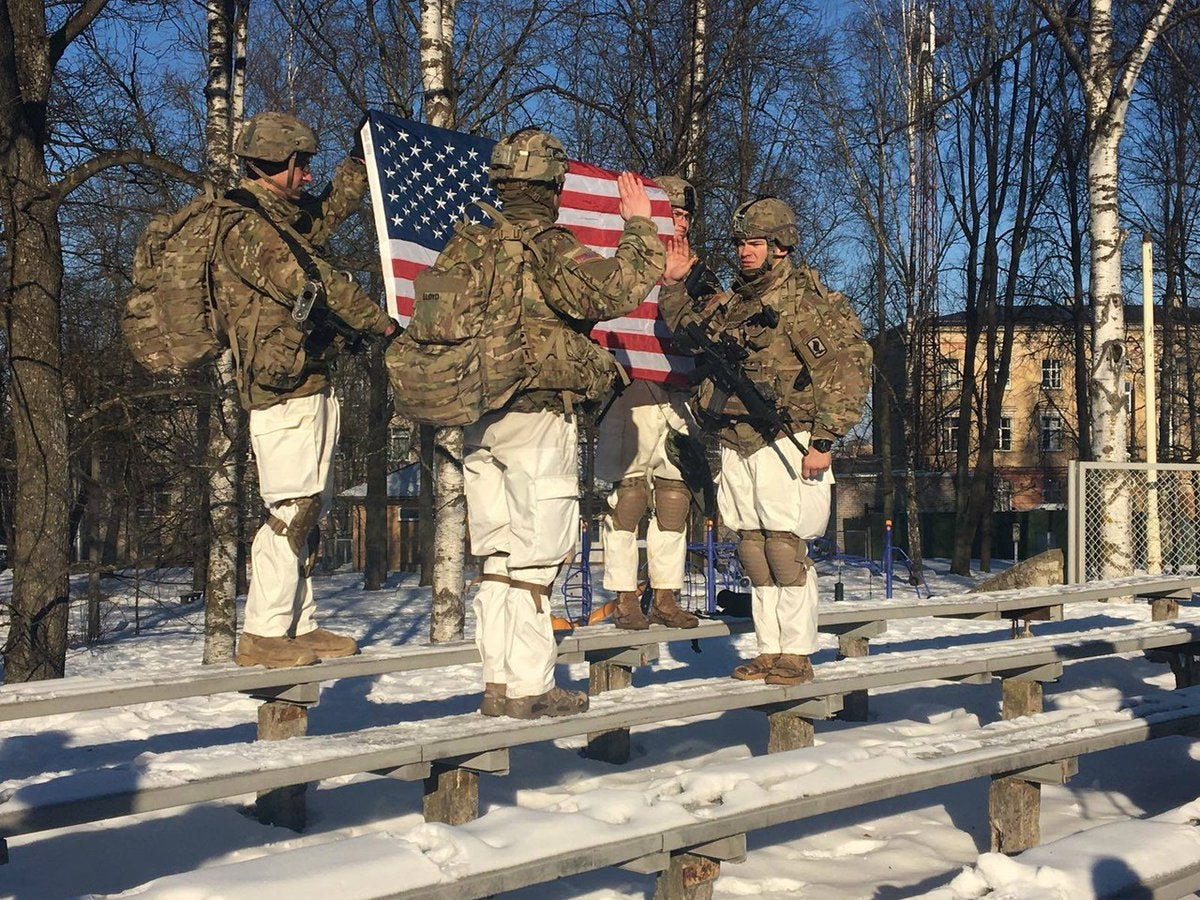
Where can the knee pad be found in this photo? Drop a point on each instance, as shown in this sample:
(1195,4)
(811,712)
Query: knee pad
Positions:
(787,555)
(672,500)
(752,555)
(303,520)
(632,498)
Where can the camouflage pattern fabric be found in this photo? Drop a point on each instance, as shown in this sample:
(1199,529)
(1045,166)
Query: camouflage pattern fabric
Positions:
(500,320)
(257,278)
(274,136)
(170,321)
(814,362)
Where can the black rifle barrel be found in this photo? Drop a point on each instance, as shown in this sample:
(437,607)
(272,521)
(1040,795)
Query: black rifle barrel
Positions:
(730,377)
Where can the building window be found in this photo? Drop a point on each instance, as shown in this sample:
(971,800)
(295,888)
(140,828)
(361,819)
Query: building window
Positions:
(1052,490)
(1129,398)
(1004,437)
(950,375)
(1051,374)
(950,434)
(1052,433)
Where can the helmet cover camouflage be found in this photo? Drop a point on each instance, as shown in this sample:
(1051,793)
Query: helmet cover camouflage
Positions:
(274,137)
(529,155)
(680,192)
(769,218)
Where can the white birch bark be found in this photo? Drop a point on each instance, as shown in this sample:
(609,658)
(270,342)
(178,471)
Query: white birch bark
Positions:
(698,78)
(1107,89)
(448,613)
(220,593)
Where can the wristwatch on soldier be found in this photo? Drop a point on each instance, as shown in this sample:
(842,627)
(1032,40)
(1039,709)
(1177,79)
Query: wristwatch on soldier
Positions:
(821,445)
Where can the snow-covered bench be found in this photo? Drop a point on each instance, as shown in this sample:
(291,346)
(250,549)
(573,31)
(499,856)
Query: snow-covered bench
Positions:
(685,826)
(1157,857)
(854,621)
(437,750)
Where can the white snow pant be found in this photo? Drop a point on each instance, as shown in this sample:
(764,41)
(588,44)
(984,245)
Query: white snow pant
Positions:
(520,474)
(294,443)
(764,491)
(632,443)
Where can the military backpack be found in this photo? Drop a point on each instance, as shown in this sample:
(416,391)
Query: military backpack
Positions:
(171,321)
(465,351)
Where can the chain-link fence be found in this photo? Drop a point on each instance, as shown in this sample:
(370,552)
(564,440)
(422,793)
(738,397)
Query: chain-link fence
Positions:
(1133,518)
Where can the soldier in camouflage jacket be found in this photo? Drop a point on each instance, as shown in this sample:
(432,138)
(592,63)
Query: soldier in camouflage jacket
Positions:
(266,257)
(634,452)
(806,353)
(520,462)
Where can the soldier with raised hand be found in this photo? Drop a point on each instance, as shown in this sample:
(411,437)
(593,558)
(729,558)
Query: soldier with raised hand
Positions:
(266,260)
(521,461)
(804,350)
(633,453)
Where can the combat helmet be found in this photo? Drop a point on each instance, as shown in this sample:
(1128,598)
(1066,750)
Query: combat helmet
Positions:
(680,192)
(274,137)
(529,155)
(769,218)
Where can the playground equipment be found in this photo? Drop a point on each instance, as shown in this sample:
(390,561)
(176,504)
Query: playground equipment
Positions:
(721,571)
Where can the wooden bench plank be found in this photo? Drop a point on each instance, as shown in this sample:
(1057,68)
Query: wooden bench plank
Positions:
(81,693)
(164,780)
(686,812)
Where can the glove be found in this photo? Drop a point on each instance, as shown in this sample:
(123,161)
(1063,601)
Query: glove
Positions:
(357,151)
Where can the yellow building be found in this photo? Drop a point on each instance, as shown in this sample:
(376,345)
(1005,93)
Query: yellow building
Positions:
(1039,431)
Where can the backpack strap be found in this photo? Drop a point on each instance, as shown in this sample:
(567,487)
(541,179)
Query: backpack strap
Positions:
(294,242)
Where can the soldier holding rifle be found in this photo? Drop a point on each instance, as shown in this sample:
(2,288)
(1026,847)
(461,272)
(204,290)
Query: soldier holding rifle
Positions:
(785,373)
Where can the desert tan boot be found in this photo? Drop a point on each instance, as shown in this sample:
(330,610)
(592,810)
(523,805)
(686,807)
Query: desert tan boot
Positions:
(757,668)
(326,644)
(555,702)
(666,611)
(272,652)
(628,614)
(493,700)
(790,668)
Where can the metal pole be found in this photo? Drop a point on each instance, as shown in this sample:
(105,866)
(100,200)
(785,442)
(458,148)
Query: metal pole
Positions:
(1153,536)
(887,558)
(585,572)
(709,567)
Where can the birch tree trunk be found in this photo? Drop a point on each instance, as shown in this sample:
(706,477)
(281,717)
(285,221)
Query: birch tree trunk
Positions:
(1107,89)
(220,593)
(697,79)
(448,613)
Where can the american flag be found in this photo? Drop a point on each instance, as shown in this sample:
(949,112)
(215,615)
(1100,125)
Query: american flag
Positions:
(424,179)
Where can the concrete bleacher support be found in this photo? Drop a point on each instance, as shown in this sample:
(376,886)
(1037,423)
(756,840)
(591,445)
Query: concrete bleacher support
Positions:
(612,670)
(1014,800)
(855,641)
(283,715)
(452,786)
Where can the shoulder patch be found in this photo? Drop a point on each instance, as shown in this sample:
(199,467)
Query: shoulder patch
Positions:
(580,254)
(817,347)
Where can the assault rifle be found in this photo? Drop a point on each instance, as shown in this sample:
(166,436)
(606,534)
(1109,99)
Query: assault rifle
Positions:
(321,324)
(721,360)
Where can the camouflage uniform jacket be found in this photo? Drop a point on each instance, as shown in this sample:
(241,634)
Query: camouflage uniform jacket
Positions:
(574,287)
(814,362)
(257,278)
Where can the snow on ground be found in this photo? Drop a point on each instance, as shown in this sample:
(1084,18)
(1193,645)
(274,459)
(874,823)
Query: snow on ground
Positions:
(892,848)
